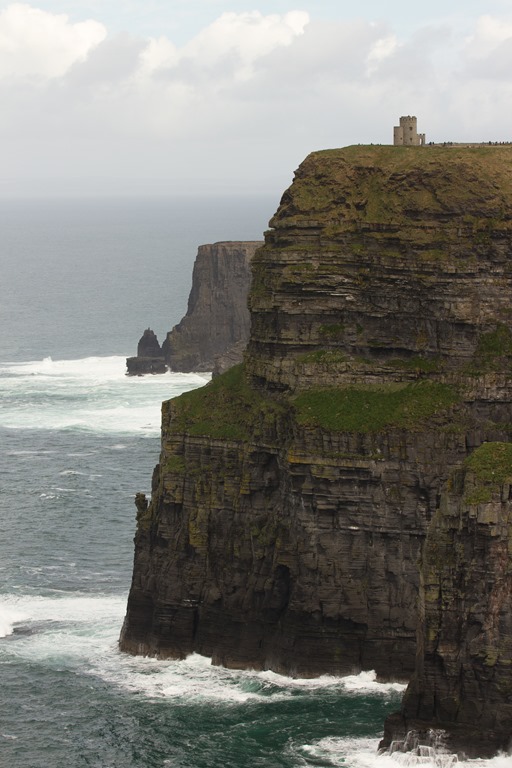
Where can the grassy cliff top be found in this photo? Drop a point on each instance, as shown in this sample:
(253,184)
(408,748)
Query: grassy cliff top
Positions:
(391,186)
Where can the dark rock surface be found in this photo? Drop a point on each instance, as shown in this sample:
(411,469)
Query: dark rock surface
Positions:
(294,493)
(463,678)
(149,359)
(215,330)
(148,345)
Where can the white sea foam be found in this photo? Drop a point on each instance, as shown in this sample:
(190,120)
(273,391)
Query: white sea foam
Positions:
(9,617)
(63,607)
(362,753)
(82,630)
(91,394)
(193,679)
(78,631)
(364,682)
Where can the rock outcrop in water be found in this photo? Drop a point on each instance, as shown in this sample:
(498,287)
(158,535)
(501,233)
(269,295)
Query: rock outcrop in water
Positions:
(214,332)
(149,359)
(294,493)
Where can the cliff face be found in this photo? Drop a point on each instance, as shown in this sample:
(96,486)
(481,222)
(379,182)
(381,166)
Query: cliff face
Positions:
(377,260)
(463,678)
(294,493)
(217,319)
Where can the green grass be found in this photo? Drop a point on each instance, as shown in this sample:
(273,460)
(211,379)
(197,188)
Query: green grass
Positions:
(491,465)
(418,364)
(175,464)
(404,188)
(226,408)
(324,357)
(373,409)
(493,352)
(332,330)
(493,347)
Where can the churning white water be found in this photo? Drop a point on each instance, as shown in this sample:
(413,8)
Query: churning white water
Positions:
(78,439)
(91,394)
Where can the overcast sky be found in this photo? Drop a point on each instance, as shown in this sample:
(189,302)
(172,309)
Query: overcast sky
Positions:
(200,96)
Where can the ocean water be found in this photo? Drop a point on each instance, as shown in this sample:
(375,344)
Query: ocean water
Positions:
(78,439)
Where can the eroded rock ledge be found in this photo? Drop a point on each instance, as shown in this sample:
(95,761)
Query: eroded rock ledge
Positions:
(294,493)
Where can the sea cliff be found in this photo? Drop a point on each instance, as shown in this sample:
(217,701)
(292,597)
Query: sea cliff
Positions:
(294,494)
(213,334)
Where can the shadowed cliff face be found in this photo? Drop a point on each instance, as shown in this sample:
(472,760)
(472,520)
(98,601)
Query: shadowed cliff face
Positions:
(463,678)
(216,325)
(294,493)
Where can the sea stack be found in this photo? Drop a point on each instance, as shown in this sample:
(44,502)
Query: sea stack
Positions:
(149,359)
(295,493)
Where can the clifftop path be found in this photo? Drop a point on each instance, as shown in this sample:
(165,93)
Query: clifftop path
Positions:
(295,492)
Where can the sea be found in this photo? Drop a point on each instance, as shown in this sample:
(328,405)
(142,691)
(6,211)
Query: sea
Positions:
(80,281)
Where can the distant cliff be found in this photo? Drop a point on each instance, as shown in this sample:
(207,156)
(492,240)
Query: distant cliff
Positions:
(294,493)
(214,332)
(217,317)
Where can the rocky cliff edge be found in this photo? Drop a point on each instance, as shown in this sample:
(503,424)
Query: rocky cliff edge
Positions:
(294,493)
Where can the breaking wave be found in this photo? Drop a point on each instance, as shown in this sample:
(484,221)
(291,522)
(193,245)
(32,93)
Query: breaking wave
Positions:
(91,394)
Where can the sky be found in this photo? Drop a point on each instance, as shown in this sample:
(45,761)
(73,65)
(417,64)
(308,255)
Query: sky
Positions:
(201,97)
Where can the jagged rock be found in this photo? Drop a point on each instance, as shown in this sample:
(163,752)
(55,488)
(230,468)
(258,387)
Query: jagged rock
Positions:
(293,494)
(148,345)
(463,679)
(150,358)
(217,321)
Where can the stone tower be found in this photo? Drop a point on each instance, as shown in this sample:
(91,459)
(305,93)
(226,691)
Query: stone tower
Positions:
(407,133)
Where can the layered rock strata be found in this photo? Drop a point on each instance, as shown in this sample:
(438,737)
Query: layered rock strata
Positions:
(463,679)
(377,262)
(215,330)
(294,493)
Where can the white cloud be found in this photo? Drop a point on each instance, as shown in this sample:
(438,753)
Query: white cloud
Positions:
(229,47)
(487,53)
(382,49)
(248,35)
(243,101)
(489,34)
(36,43)
(160,54)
